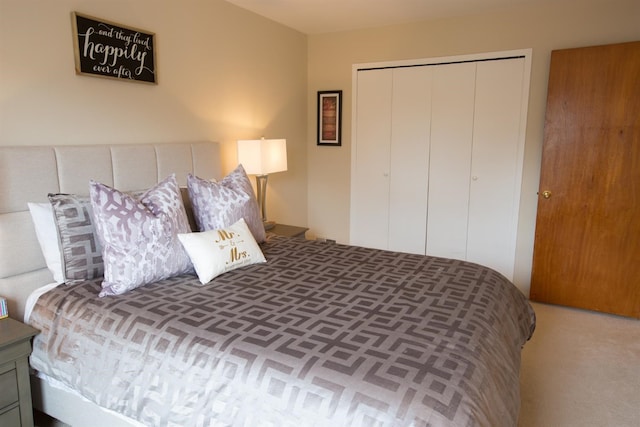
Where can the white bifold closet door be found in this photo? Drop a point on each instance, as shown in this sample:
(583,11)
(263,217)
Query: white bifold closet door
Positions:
(389,189)
(496,168)
(436,160)
(409,159)
(370,174)
(451,140)
(473,203)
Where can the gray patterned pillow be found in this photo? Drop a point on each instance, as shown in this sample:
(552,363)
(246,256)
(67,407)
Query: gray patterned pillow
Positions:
(186,201)
(218,205)
(139,235)
(79,245)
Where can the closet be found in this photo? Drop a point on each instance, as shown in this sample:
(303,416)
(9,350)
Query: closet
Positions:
(437,157)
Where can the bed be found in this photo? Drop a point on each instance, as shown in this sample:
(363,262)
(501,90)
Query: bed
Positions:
(316,334)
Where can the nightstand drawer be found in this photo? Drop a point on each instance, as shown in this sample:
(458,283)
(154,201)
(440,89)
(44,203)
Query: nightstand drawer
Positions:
(11,418)
(16,409)
(8,389)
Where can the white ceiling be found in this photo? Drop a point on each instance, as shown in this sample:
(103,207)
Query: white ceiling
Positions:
(325,16)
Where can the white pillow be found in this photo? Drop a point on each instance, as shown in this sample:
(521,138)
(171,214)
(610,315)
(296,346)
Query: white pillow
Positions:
(215,252)
(47,234)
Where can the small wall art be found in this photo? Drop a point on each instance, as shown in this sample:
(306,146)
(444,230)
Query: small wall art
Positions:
(330,117)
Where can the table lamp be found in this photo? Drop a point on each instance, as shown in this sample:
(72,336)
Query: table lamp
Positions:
(260,157)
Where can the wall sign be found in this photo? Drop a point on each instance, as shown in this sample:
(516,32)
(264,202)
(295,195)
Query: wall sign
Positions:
(106,49)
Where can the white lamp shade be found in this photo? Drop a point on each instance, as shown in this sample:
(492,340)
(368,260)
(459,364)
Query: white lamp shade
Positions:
(263,156)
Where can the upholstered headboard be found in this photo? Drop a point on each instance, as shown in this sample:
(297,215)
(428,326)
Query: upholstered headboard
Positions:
(28,174)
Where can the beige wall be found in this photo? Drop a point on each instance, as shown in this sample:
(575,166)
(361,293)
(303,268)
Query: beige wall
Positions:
(224,74)
(542,25)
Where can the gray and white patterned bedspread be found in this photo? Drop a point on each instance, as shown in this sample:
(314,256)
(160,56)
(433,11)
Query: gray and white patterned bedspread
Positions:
(320,335)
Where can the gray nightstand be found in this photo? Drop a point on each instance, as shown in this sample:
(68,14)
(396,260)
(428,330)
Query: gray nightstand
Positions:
(288,230)
(15,390)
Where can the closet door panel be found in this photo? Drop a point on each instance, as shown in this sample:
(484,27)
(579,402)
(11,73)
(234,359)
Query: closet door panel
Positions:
(370,186)
(496,162)
(450,159)
(409,173)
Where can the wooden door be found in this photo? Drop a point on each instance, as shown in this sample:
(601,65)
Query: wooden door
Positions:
(587,241)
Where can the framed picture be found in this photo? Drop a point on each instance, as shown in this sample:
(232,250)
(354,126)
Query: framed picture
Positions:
(106,49)
(330,117)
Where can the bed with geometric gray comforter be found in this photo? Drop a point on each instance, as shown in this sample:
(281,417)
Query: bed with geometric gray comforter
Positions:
(320,335)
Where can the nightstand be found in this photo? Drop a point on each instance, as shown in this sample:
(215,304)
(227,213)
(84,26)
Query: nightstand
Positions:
(15,390)
(288,230)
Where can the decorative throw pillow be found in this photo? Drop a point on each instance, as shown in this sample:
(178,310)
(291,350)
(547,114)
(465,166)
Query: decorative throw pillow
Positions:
(79,245)
(139,235)
(45,225)
(217,251)
(220,204)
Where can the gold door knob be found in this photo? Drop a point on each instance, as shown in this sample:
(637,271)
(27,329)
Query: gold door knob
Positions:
(546,194)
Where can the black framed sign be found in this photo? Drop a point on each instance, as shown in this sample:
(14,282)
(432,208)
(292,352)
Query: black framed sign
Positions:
(107,49)
(330,117)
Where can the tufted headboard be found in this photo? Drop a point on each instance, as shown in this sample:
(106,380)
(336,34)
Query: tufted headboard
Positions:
(29,173)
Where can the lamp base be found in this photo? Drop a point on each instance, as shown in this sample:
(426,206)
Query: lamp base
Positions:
(268,225)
